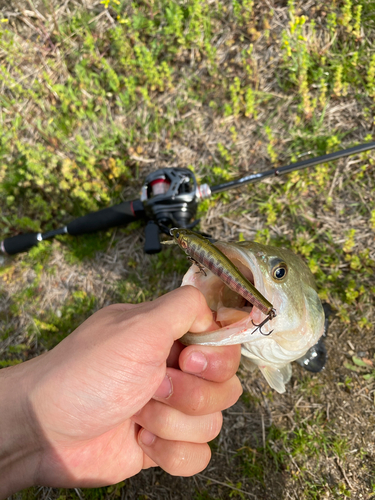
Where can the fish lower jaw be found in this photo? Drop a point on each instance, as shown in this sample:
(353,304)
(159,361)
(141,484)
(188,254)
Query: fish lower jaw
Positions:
(243,323)
(232,317)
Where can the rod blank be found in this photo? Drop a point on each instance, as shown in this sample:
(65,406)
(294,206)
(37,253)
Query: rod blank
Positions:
(249,179)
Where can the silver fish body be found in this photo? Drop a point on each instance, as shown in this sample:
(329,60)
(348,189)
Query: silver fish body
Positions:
(300,317)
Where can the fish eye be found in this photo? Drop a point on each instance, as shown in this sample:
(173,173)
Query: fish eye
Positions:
(280,271)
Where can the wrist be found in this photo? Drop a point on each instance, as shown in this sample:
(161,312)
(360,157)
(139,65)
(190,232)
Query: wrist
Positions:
(19,444)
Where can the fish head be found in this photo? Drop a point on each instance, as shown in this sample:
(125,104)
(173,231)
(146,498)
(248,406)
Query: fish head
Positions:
(285,281)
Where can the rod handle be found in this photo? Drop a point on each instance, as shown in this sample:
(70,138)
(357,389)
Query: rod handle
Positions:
(20,243)
(118,215)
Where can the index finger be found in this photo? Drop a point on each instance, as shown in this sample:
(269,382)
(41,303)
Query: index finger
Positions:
(217,364)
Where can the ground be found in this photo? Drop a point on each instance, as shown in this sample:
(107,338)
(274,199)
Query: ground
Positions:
(94,96)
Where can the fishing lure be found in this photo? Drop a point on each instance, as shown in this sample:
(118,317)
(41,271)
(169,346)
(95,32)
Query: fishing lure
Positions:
(204,254)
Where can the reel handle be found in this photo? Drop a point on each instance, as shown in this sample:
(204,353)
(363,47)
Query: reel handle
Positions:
(152,238)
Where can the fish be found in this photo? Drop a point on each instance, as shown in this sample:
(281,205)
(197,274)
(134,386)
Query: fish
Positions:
(295,329)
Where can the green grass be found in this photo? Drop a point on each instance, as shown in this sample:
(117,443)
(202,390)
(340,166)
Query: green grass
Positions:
(311,442)
(220,87)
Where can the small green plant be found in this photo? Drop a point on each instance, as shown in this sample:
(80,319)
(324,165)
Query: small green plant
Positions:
(243,11)
(371,77)
(235,93)
(347,16)
(339,88)
(332,22)
(250,103)
(364,366)
(270,147)
(225,154)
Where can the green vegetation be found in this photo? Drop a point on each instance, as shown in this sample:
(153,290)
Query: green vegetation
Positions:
(311,441)
(92,99)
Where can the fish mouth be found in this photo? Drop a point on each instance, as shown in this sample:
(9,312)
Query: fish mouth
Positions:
(230,310)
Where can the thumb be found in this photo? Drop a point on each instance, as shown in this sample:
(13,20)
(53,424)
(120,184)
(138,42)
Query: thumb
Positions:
(184,310)
(166,319)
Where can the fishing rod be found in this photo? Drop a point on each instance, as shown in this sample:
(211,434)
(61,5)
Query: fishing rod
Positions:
(169,198)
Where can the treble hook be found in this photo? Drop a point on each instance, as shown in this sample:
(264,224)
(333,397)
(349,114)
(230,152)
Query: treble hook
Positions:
(271,315)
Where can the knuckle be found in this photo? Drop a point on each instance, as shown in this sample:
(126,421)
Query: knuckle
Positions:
(229,360)
(193,293)
(167,424)
(237,388)
(193,297)
(214,425)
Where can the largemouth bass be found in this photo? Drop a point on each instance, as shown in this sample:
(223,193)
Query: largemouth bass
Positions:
(300,317)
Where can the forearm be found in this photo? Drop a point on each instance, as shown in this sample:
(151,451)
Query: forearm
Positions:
(19,446)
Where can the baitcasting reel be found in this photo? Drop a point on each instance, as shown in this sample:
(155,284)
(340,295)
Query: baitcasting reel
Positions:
(170,198)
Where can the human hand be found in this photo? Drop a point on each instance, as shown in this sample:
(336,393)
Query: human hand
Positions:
(116,395)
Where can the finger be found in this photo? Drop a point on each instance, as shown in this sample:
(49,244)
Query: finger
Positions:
(212,363)
(174,355)
(192,313)
(124,307)
(194,395)
(175,457)
(169,423)
(172,315)
(147,462)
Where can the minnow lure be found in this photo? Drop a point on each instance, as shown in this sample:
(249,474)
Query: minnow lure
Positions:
(205,254)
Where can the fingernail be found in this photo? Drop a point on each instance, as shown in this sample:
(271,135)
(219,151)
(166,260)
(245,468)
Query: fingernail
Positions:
(196,363)
(146,437)
(165,388)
